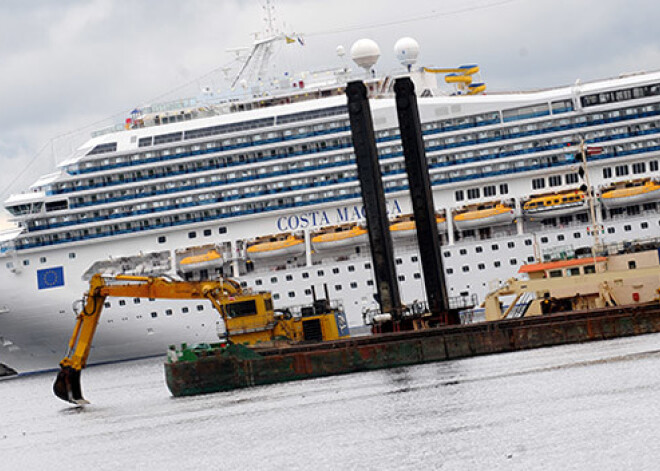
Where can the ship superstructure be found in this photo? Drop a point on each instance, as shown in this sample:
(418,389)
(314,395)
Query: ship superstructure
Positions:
(265,189)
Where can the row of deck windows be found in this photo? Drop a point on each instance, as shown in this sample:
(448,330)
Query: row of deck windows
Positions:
(452,176)
(173,186)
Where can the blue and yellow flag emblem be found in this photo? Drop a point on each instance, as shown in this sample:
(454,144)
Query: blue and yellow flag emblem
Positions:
(50,277)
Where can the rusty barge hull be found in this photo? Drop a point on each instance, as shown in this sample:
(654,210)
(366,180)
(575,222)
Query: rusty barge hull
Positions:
(219,369)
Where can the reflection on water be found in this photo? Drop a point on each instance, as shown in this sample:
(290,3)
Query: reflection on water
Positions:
(589,406)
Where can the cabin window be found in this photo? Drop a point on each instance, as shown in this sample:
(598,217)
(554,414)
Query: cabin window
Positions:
(42,259)
(337,287)
(414,259)
(489,190)
(639,167)
(450,271)
(511,244)
(402,277)
(589,269)
(168,312)
(644,225)
(207,232)
(576,235)
(222,230)
(122,302)
(305,275)
(504,188)
(528,242)
(72,255)
(607,172)
(26,263)
(367,266)
(154,314)
(370,282)
(473,193)
(465,268)
(106,304)
(544,240)
(478,249)
(571,178)
(463,252)
(611,230)
(538,183)
(621,170)
(398,261)
(560,237)
(481,266)
(335,270)
(555,274)
(184,310)
(240,309)
(320,273)
(653,165)
(573,271)
(513,261)
(530,259)
(497,263)
(627,228)
(495,247)
(446,254)
(554,180)
(632,265)
(162,239)
(273,279)
(258,282)
(289,277)
(291,294)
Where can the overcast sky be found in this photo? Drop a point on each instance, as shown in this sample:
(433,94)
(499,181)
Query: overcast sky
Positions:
(68,66)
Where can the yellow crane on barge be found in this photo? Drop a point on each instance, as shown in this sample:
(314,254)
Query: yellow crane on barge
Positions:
(249,317)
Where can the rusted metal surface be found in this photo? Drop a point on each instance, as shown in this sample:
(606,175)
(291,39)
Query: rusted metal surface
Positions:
(220,370)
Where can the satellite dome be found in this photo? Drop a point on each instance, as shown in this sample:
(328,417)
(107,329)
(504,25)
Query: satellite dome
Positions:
(406,51)
(341,51)
(365,53)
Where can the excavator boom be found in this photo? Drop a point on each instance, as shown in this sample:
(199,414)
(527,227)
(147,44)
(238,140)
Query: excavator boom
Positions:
(67,384)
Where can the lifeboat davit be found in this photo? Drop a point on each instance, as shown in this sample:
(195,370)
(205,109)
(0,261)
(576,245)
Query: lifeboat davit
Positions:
(493,214)
(338,237)
(547,206)
(209,260)
(404,226)
(631,193)
(276,246)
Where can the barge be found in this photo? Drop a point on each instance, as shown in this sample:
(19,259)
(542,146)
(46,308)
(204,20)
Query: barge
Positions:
(223,367)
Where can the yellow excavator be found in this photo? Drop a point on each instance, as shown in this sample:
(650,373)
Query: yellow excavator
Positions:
(249,318)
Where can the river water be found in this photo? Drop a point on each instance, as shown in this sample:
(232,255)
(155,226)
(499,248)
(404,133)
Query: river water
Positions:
(589,406)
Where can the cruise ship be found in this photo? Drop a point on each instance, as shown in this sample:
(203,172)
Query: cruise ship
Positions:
(263,188)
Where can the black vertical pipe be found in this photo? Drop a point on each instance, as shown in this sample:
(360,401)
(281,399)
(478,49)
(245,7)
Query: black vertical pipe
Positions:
(421,196)
(373,198)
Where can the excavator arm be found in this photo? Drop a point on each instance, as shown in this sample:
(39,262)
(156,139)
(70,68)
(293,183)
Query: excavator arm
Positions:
(67,384)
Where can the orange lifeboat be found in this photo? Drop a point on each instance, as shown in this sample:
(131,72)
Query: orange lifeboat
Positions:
(337,237)
(275,245)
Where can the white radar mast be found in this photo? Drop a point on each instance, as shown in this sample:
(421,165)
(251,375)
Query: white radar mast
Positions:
(365,53)
(406,51)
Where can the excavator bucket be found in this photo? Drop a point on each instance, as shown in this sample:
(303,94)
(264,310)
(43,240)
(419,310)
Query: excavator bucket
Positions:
(67,386)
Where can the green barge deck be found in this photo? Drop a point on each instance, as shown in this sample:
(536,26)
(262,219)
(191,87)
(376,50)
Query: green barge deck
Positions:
(215,368)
